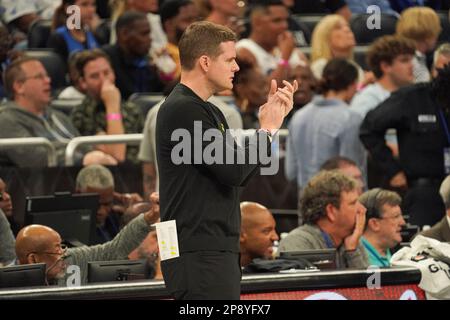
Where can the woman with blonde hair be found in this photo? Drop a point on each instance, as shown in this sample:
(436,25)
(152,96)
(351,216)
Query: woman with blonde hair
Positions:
(332,38)
(422,25)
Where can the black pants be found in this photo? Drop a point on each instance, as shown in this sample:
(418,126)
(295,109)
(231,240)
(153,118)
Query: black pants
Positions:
(423,203)
(203,275)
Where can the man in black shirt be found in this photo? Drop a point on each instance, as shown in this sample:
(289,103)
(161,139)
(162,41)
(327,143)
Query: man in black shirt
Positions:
(203,196)
(420,114)
(129,56)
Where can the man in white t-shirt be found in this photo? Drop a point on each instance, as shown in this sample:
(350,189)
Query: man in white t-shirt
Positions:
(270,45)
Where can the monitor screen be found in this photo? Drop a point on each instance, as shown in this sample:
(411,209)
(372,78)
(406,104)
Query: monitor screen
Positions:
(286,219)
(321,258)
(73,216)
(26,275)
(119,270)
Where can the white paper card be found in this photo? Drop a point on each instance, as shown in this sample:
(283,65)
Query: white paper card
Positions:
(167,239)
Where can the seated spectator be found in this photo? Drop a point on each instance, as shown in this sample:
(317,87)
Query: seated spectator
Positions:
(390,60)
(441,57)
(422,26)
(326,127)
(41,244)
(348,167)
(250,90)
(13,9)
(102,111)
(270,46)
(29,115)
(441,230)
(148,250)
(129,56)
(19,15)
(98,179)
(64,40)
(257,233)
(332,38)
(158,38)
(333,217)
(176,16)
(150,8)
(7,253)
(301,32)
(227,13)
(305,93)
(384,222)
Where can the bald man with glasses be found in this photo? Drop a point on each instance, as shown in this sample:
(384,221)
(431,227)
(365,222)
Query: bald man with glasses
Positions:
(41,244)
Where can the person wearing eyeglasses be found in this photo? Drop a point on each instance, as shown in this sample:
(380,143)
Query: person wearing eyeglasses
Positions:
(384,222)
(41,244)
(333,218)
(28,115)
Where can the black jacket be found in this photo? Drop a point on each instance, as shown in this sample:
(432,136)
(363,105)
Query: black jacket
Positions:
(414,113)
(132,75)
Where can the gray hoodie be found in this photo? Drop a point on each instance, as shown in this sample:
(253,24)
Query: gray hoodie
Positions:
(309,237)
(16,122)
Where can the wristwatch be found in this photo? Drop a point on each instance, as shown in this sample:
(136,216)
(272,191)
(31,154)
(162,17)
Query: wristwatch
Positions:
(269,134)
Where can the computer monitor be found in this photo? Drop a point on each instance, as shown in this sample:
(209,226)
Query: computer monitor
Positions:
(286,219)
(26,275)
(119,270)
(321,258)
(73,216)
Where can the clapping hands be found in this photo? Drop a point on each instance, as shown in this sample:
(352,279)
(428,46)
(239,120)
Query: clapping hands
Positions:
(279,103)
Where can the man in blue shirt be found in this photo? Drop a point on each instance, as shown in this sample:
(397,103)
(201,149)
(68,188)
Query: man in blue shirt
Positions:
(384,222)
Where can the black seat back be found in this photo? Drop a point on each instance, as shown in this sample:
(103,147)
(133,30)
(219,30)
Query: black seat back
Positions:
(39,33)
(364,35)
(103,32)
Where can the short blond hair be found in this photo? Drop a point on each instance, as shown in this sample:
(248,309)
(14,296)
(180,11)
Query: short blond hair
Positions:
(419,24)
(320,43)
